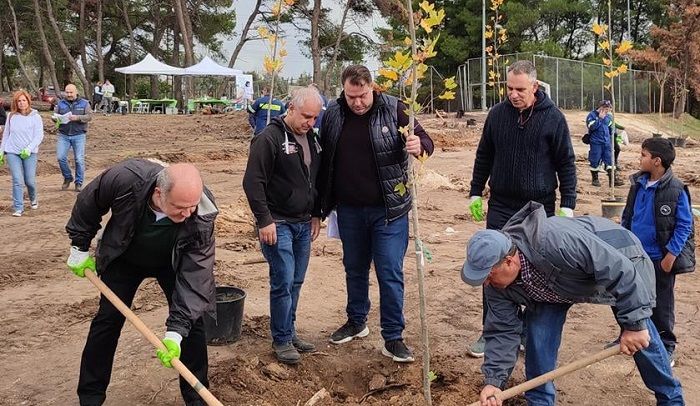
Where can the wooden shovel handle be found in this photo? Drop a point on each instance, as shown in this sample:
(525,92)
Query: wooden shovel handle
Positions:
(152,338)
(557,373)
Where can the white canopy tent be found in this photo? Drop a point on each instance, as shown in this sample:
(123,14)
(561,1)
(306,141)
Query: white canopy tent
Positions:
(207,67)
(150,66)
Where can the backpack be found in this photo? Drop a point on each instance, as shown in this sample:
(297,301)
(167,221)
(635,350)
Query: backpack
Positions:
(586,139)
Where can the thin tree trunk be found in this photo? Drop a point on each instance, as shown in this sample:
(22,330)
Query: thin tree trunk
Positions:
(315,47)
(336,48)
(44,45)
(98,43)
(62,44)
(83,54)
(132,44)
(175,61)
(180,11)
(15,36)
(242,41)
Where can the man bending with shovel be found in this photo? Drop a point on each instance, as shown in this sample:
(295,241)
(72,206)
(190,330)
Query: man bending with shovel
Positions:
(548,264)
(162,226)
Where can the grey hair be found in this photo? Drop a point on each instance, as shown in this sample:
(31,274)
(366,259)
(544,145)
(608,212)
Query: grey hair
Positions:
(526,67)
(300,96)
(165,181)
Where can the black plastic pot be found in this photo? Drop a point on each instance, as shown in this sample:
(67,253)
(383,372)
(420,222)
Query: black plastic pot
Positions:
(229,310)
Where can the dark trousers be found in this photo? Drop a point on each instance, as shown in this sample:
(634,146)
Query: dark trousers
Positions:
(664,314)
(105,329)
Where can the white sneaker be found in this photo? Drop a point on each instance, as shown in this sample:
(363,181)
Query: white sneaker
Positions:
(35,205)
(17,214)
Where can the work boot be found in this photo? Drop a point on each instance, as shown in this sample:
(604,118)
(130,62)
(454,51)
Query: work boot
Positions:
(78,187)
(301,345)
(286,353)
(66,183)
(594,176)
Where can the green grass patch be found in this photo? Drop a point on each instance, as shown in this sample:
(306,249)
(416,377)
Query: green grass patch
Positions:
(681,127)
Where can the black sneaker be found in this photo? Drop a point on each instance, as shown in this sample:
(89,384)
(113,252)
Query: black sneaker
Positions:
(397,351)
(301,345)
(349,331)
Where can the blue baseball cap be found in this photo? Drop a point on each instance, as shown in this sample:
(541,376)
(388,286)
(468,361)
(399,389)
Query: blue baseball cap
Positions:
(484,250)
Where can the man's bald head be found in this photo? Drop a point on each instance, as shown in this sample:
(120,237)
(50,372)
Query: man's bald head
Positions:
(178,190)
(71,92)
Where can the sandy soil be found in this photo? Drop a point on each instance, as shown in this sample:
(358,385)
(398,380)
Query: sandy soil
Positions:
(46,310)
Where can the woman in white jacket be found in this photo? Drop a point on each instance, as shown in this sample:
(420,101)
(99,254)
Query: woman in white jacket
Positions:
(24,131)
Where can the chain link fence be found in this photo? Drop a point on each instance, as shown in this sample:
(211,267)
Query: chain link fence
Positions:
(573,85)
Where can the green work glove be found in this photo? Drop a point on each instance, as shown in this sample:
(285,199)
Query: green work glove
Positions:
(171,341)
(25,153)
(565,212)
(476,207)
(2,158)
(79,261)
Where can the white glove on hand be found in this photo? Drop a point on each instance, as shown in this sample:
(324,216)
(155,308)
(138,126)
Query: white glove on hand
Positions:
(77,257)
(565,212)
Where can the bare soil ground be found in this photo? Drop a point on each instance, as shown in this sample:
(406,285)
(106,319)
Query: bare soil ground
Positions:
(46,310)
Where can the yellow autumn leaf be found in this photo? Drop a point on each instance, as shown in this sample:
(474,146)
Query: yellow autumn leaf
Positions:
(606,61)
(426,26)
(612,74)
(604,45)
(403,129)
(407,41)
(622,68)
(447,95)
(488,34)
(450,83)
(289,3)
(623,48)
(501,92)
(400,188)
(423,157)
(427,7)
(434,18)
(283,53)
(268,64)
(400,61)
(607,87)
(276,9)
(379,87)
(599,29)
(389,74)
(491,83)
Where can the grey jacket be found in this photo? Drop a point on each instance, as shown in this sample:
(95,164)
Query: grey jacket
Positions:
(125,189)
(587,259)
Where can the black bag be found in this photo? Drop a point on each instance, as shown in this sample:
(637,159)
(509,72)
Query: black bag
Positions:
(586,139)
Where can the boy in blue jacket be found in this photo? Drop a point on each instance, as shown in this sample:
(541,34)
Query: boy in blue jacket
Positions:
(659,213)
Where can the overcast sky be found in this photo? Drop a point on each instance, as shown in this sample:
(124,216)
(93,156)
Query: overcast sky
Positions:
(295,63)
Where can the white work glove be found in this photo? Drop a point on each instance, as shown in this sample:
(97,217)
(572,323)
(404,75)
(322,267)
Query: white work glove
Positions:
(171,341)
(565,212)
(79,260)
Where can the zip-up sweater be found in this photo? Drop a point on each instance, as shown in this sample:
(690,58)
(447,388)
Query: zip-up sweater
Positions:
(587,259)
(662,219)
(277,183)
(528,163)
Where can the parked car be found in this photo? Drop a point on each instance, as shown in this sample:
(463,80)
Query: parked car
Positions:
(47,94)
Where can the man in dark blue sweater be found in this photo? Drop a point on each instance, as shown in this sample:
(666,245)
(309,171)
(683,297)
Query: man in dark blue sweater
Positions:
(525,153)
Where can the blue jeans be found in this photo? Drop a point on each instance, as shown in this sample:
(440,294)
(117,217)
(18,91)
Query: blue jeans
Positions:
(23,173)
(288,260)
(367,236)
(63,144)
(544,326)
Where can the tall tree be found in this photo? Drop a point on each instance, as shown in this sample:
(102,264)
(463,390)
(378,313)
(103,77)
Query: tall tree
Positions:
(62,44)
(44,44)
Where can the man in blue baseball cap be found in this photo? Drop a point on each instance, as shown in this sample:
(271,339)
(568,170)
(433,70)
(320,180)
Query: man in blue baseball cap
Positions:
(548,264)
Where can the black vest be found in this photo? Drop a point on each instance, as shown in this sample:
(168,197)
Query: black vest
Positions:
(77,107)
(665,202)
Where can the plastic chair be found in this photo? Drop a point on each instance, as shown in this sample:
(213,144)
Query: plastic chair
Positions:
(157,109)
(142,107)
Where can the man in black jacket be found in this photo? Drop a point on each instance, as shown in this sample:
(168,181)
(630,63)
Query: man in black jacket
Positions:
(364,165)
(162,226)
(280,183)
